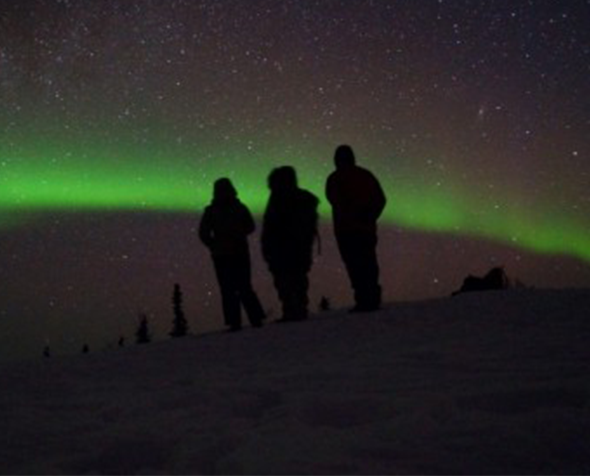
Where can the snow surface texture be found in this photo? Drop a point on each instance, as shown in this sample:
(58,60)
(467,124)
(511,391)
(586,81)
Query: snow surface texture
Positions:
(492,382)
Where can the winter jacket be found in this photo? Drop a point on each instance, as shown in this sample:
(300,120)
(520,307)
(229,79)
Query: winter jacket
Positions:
(289,229)
(225,227)
(357,199)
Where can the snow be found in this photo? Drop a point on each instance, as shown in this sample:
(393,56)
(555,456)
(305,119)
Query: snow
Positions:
(492,382)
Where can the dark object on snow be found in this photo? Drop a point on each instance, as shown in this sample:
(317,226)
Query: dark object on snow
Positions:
(289,229)
(142,335)
(495,279)
(179,324)
(224,229)
(357,201)
(324,304)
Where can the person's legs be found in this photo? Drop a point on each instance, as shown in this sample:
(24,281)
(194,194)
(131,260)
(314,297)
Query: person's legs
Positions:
(281,282)
(300,288)
(291,285)
(358,251)
(247,296)
(253,308)
(226,276)
(368,270)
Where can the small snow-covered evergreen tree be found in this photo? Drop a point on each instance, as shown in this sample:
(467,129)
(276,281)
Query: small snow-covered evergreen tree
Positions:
(179,324)
(142,334)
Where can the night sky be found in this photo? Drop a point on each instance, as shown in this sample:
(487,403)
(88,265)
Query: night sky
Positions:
(116,117)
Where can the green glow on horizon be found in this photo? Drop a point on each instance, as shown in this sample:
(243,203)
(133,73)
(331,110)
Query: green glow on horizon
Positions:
(34,185)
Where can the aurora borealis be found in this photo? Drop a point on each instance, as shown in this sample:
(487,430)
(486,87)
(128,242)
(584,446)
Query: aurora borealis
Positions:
(63,186)
(473,114)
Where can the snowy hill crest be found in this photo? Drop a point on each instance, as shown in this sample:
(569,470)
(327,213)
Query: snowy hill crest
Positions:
(490,382)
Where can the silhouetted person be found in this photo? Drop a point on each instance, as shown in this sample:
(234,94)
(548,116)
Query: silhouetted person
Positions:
(288,232)
(357,201)
(224,229)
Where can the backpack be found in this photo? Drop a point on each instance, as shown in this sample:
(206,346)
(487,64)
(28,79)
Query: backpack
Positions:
(496,278)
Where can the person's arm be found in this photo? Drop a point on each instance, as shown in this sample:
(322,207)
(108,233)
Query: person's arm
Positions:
(379,198)
(249,224)
(266,236)
(206,229)
(330,192)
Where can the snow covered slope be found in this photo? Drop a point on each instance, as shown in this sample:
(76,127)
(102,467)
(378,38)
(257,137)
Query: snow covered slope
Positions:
(494,382)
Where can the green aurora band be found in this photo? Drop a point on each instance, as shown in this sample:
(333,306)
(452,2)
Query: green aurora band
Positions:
(31,186)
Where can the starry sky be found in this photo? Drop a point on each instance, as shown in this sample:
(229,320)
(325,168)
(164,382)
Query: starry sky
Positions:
(117,117)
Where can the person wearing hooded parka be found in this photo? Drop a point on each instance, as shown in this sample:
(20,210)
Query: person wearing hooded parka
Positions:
(224,229)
